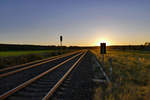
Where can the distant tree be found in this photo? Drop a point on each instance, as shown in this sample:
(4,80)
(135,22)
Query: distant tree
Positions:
(147,44)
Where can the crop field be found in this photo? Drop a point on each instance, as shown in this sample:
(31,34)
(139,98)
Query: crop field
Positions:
(130,79)
(18,53)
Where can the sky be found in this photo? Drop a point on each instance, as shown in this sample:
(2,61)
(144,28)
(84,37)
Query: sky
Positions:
(81,22)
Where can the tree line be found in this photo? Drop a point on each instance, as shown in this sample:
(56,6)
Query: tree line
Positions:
(17,47)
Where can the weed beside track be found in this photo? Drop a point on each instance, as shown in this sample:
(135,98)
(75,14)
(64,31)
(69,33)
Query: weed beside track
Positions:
(130,75)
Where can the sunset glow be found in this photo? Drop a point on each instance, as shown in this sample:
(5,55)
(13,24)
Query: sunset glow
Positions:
(97,43)
(121,22)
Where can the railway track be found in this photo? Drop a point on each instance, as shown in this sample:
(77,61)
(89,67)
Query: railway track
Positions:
(11,70)
(40,80)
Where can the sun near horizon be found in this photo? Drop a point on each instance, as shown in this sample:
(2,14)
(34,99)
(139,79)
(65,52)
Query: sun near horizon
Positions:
(81,23)
(97,43)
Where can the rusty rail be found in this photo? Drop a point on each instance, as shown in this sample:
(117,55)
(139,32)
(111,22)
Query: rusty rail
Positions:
(31,66)
(50,93)
(23,85)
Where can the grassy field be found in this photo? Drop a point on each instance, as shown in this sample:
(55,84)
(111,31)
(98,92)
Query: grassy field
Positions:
(130,75)
(12,58)
(19,53)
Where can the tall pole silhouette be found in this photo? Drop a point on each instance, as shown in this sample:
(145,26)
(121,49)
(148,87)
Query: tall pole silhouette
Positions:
(61,39)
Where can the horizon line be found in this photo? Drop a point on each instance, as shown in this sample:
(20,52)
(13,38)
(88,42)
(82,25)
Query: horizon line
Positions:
(70,45)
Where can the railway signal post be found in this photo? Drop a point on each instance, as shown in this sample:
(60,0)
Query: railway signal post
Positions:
(103,51)
(61,39)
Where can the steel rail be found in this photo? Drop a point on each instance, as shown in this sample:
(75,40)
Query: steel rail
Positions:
(34,65)
(50,93)
(37,61)
(23,85)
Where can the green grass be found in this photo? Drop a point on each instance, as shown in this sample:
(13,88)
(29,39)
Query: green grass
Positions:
(12,58)
(19,53)
(131,75)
